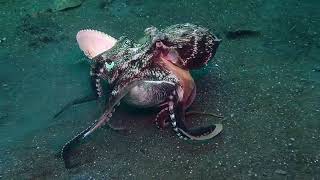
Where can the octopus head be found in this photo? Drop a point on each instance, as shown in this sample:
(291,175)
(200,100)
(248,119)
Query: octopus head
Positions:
(193,45)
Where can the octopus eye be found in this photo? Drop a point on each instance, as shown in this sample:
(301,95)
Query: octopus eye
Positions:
(159,44)
(109,66)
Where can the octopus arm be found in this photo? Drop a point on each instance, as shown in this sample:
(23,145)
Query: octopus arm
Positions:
(119,91)
(113,101)
(177,119)
(95,78)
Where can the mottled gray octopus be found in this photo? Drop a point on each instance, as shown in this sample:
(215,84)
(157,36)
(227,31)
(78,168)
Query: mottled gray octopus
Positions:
(152,73)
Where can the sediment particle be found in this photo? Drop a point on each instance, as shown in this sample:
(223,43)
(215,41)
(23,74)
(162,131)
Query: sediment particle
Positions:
(60,5)
(281,172)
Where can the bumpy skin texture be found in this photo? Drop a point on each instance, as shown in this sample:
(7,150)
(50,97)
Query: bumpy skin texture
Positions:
(195,45)
(154,74)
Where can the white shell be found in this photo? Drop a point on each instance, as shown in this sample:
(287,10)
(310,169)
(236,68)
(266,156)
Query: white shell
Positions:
(93,42)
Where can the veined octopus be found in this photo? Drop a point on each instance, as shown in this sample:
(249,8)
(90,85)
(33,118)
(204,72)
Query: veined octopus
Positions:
(152,73)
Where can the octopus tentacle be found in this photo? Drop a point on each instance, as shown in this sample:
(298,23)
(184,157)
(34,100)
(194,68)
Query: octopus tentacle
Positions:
(123,86)
(177,118)
(161,118)
(113,101)
(82,135)
(121,89)
(66,149)
(96,72)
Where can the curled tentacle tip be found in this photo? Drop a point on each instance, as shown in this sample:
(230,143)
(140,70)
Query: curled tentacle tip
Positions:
(217,130)
(203,133)
(211,134)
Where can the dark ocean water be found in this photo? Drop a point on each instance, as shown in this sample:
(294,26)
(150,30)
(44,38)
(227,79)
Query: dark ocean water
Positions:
(265,83)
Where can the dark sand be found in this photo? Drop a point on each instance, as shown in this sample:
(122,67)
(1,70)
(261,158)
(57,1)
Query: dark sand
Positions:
(266,85)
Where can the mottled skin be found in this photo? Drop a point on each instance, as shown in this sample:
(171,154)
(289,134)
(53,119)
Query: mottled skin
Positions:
(154,73)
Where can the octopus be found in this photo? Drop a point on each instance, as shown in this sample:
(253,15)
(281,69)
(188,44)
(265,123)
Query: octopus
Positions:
(152,73)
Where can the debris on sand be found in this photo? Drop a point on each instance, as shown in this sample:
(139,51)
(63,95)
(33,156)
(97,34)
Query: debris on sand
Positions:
(3,39)
(105,4)
(281,172)
(61,5)
(242,33)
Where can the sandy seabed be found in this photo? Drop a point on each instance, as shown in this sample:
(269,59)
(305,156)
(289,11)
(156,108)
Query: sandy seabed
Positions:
(266,85)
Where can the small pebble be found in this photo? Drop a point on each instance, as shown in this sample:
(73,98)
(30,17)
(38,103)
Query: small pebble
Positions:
(3,39)
(281,172)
